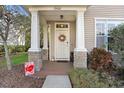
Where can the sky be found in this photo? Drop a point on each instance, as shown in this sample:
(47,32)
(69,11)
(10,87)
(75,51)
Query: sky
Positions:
(18,8)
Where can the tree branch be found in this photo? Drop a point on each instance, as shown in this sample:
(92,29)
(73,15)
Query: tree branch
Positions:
(7,31)
(2,36)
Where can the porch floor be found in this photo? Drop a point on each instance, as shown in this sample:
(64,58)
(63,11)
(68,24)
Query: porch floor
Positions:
(55,68)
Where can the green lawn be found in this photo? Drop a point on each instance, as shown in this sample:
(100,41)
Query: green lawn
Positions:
(19,58)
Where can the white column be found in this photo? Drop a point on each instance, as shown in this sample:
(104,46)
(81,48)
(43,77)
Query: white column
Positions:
(35,32)
(45,37)
(80,36)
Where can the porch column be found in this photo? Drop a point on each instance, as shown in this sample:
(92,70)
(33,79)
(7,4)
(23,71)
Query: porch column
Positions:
(45,38)
(34,52)
(45,43)
(80,52)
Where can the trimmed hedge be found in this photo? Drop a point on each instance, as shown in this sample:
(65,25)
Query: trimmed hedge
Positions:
(13,49)
(84,78)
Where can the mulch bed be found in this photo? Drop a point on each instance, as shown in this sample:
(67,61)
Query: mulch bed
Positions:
(17,79)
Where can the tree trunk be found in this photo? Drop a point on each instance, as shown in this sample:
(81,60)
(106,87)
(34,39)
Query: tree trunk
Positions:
(9,64)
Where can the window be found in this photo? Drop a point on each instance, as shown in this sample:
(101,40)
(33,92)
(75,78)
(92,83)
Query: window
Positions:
(61,25)
(103,28)
(110,27)
(100,27)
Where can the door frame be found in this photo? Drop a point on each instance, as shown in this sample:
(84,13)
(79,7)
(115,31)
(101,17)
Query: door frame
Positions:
(55,39)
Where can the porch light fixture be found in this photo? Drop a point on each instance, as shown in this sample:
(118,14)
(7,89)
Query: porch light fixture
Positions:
(61,16)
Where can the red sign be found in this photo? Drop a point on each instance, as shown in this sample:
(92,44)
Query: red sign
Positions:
(29,68)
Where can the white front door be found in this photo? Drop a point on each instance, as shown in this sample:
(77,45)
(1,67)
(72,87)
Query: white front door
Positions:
(62,41)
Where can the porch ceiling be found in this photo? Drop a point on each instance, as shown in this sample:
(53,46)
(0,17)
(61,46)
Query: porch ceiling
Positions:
(53,12)
(55,15)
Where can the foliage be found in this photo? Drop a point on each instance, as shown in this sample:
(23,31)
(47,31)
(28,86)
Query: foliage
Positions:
(13,49)
(120,73)
(26,28)
(117,42)
(84,78)
(101,60)
(1,50)
(27,40)
(20,48)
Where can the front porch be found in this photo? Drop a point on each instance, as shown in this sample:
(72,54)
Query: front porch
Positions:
(55,23)
(55,68)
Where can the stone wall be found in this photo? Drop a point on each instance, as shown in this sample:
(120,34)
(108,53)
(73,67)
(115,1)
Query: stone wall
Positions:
(80,59)
(36,58)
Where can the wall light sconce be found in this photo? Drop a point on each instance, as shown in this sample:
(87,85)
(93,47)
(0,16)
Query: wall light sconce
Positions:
(61,16)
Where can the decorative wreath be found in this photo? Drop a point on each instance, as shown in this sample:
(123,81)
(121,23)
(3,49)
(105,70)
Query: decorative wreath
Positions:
(62,38)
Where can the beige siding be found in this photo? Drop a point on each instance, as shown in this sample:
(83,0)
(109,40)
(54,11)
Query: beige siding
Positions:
(110,11)
(72,36)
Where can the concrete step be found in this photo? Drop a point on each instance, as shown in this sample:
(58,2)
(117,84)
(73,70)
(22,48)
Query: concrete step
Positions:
(57,81)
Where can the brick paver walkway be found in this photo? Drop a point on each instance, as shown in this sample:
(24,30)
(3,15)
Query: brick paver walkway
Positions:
(55,68)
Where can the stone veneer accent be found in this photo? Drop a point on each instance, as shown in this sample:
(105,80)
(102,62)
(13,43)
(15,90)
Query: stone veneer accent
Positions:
(44,54)
(36,58)
(80,59)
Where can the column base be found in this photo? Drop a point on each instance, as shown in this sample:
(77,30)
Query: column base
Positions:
(34,50)
(80,59)
(44,54)
(36,58)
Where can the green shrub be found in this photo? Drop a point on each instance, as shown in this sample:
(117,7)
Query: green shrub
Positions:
(117,43)
(15,49)
(20,48)
(1,50)
(12,49)
(120,72)
(101,60)
(84,78)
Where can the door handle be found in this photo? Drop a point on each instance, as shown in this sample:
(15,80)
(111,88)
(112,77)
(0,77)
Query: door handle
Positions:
(67,42)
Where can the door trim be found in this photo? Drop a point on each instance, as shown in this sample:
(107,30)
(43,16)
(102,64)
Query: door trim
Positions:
(55,40)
